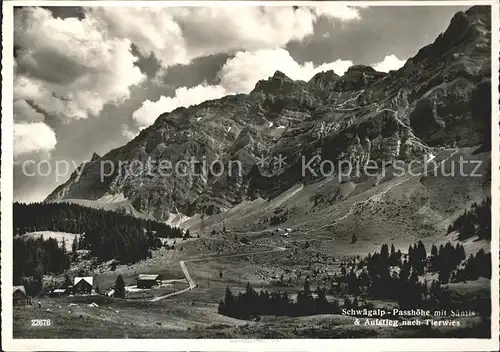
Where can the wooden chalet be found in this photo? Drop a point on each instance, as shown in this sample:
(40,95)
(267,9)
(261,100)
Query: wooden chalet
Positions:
(83,285)
(19,296)
(147,280)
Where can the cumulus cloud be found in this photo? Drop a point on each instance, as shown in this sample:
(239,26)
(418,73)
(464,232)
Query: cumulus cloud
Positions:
(342,12)
(150,110)
(131,132)
(238,75)
(128,133)
(32,138)
(70,67)
(176,35)
(241,73)
(390,62)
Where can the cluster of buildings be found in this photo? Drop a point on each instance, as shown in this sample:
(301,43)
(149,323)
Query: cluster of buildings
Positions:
(81,286)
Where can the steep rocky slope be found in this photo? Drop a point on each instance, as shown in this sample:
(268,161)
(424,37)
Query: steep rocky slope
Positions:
(429,103)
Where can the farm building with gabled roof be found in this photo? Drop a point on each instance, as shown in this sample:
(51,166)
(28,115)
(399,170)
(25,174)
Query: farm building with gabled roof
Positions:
(59,292)
(147,280)
(83,285)
(19,296)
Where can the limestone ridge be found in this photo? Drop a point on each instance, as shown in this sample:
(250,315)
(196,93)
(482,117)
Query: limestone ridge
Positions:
(362,115)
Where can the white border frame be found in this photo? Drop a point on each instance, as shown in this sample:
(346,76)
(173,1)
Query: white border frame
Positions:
(377,344)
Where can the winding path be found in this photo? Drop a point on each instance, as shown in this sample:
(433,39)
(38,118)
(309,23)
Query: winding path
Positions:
(192,283)
(355,204)
(189,279)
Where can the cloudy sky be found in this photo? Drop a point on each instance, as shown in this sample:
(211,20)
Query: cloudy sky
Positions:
(88,79)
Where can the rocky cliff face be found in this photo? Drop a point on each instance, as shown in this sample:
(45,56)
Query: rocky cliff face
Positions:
(363,115)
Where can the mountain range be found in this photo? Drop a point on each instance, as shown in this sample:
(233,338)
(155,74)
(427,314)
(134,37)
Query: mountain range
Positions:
(439,100)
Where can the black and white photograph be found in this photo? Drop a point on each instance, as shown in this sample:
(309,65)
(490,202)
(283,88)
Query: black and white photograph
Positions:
(220,171)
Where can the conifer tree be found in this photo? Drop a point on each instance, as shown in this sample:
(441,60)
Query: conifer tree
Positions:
(384,253)
(354,238)
(228,301)
(74,246)
(119,287)
(434,251)
(393,256)
(67,280)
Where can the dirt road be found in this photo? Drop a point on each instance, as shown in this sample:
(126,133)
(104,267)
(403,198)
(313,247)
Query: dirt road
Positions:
(190,280)
(356,204)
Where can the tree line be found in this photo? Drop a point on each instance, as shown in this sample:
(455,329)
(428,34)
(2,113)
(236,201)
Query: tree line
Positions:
(386,274)
(445,260)
(74,218)
(250,304)
(394,276)
(108,235)
(35,257)
(475,266)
